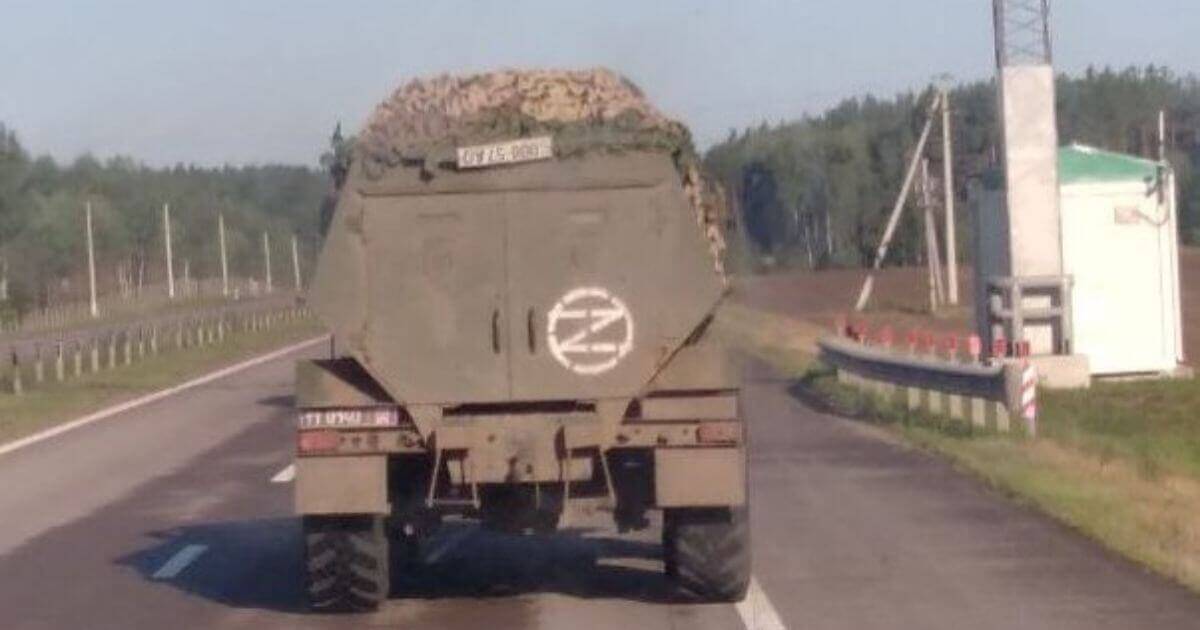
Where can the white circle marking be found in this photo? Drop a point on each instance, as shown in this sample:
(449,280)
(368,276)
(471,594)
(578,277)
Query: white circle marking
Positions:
(589,330)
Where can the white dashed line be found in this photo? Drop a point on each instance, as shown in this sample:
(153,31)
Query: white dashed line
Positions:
(285,475)
(756,610)
(179,562)
(446,544)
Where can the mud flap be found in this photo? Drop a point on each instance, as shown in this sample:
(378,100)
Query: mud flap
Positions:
(698,477)
(342,485)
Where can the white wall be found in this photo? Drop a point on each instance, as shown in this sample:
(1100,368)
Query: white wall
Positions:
(1119,245)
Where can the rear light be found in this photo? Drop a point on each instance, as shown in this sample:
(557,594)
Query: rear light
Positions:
(719,433)
(317,441)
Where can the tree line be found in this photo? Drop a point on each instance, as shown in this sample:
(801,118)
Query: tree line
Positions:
(817,191)
(43,239)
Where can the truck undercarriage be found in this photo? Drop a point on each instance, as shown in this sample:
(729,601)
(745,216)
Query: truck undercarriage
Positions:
(369,478)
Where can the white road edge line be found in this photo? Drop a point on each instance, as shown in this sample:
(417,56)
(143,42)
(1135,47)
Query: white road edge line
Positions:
(180,561)
(155,396)
(446,544)
(285,475)
(756,610)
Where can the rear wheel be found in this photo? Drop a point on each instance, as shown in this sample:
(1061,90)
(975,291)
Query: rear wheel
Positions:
(346,558)
(706,551)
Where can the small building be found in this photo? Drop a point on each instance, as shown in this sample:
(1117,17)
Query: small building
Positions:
(1120,259)
(1120,249)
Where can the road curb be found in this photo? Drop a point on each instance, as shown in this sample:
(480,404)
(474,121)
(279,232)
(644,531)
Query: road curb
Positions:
(146,399)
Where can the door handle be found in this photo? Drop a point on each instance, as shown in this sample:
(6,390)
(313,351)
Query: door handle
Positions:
(532,338)
(496,331)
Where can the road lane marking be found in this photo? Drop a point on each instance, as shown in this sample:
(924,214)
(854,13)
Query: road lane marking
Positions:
(155,396)
(756,610)
(179,562)
(446,544)
(285,475)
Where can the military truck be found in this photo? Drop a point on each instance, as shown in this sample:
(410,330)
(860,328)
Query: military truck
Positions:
(520,289)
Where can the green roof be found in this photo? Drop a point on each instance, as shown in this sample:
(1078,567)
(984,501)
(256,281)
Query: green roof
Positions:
(1082,164)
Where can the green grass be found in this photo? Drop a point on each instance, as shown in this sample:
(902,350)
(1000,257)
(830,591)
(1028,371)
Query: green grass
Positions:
(1153,424)
(53,403)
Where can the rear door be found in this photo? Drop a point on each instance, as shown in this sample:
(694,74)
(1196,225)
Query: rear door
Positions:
(603,285)
(436,328)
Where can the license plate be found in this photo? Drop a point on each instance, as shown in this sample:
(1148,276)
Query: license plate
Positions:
(336,418)
(511,152)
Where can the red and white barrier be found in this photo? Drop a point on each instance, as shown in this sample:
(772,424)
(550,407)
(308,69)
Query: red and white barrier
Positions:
(1029,381)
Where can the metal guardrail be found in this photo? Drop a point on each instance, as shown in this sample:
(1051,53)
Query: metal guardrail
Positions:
(986,394)
(95,351)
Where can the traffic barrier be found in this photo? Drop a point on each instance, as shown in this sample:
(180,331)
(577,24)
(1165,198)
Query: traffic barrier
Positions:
(111,349)
(1029,381)
(936,379)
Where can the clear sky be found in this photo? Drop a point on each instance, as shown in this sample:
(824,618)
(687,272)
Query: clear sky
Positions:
(245,81)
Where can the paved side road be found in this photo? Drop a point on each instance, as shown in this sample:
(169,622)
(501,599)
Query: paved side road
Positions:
(177,515)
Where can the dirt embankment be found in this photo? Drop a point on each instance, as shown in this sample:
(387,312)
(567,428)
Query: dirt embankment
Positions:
(901,299)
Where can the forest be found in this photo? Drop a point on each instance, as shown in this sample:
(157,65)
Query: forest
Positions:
(42,218)
(816,192)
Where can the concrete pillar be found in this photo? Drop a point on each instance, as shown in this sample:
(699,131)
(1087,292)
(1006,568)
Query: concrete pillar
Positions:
(17,386)
(913,396)
(60,367)
(94,355)
(39,365)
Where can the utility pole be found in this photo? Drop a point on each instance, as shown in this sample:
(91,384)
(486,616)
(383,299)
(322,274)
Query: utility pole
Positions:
(91,251)
(187,276)
(167,238)
(267,259)
(865,293)
(224,260)
(296,262)
(948,189)
(937,292)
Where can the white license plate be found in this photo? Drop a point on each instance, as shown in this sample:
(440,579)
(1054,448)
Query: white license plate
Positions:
(337,418)
(511,152)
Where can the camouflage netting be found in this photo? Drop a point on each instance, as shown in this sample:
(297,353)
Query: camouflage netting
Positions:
(425,120)
(585,110)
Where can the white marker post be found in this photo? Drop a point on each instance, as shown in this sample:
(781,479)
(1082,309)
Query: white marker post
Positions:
(296,262)
(224,260)
(267,259)
(167,238)
(91,251)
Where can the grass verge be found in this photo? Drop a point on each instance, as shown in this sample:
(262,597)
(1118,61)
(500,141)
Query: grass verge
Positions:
(1119,462)
(55,403)
(788,345)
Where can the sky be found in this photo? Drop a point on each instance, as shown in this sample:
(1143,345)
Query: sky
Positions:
(256,81)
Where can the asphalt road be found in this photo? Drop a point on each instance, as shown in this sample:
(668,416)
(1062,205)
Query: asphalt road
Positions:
(168,517)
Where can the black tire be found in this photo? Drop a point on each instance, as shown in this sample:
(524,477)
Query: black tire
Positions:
(346,562)
(706,552)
